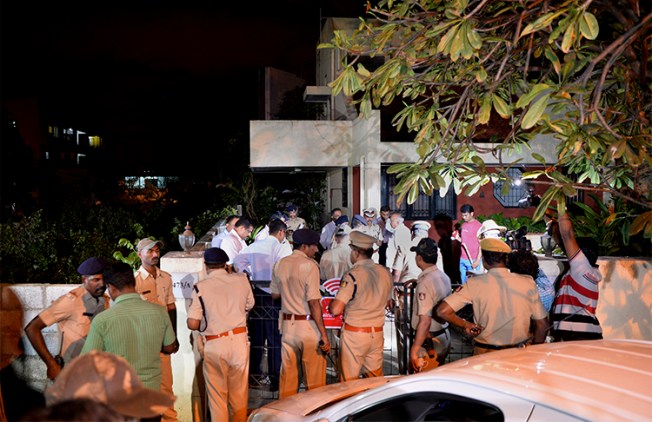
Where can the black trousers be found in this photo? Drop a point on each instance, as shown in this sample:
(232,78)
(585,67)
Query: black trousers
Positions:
(263,327)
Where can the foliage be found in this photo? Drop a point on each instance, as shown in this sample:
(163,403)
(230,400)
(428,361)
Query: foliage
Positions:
(516,223)
(41,248)
(258,202)
(129,247)
(610,226)
(576,72)
(307,193)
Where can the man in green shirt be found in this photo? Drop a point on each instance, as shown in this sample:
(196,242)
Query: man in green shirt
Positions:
(132,327)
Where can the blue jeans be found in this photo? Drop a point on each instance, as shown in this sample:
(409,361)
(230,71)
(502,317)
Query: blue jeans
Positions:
(466,265)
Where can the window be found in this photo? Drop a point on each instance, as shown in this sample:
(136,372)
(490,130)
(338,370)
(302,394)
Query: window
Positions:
(429,406)
(94,141)
(425,207)
(518,191)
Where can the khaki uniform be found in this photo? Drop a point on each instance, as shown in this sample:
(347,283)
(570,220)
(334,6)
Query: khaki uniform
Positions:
(335,262)
(296,279)
(226,299)
(73,312)
(503,303)
(365,290)
(159,290)
(433,285)
(376,232)
(296,223)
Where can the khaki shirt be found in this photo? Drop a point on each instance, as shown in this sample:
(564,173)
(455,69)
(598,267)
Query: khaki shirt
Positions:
(296,279)
(73,312)
(406,261)
(374,231)
(335,262)
(433,285)
(365,290)
(503,303)
(296,223)
(155,290)
(227,298)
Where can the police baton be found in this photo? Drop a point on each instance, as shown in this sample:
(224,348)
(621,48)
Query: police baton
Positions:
(321,343)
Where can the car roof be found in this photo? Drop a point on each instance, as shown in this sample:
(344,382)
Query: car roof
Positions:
(588,379)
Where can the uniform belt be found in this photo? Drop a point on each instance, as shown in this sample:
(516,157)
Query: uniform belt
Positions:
(350,327)
(296,317)
(498,347)
(438,333)
(236,330)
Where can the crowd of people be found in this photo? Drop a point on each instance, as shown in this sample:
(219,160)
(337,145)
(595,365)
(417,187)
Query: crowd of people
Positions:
(127,320)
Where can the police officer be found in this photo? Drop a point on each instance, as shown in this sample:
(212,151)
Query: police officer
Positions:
(335,262)
(222,300)
(363,295)
(504,304)
(155,286)
(295,281)
(73,312)
(432,340)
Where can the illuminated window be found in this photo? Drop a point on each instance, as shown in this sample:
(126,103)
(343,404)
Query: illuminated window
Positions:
(95,141)
(55,131)
(81,158)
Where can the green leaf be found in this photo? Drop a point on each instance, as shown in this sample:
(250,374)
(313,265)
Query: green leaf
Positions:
(641,222)
(535,112)
(481,75)
(589,26)
(554,60)
(540,23)
(485,110)
(527,98)
(413,194)
(539,158)
(569,37)
(501,106)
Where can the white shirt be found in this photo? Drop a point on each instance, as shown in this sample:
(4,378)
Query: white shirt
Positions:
(327,232)
(217,240)
(258,259)
(232,245)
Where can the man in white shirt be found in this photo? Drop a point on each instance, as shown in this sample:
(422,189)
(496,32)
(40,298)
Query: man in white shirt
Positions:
(235,241)
(327,232)
(228,228)
(258,260)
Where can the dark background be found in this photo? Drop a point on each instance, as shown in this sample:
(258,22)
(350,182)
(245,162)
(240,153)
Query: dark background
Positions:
(162,81)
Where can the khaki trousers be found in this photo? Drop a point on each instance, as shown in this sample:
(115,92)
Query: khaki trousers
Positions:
(300,350)
(226,371)
(170,414)
(361,353)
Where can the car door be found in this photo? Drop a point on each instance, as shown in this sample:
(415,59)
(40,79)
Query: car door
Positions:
(428,400)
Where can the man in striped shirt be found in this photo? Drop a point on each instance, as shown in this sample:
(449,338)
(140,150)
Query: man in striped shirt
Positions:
(573,312)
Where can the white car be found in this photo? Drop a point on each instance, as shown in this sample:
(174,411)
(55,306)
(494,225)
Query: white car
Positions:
(597,380)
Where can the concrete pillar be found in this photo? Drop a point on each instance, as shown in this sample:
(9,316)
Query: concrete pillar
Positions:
(186,269)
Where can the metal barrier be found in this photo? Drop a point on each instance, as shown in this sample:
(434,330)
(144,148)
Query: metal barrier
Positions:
(265,346)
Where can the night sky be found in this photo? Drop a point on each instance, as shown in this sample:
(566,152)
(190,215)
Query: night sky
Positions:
(149,73)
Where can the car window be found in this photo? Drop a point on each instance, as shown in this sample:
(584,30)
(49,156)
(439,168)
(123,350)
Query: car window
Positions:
(428,406)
